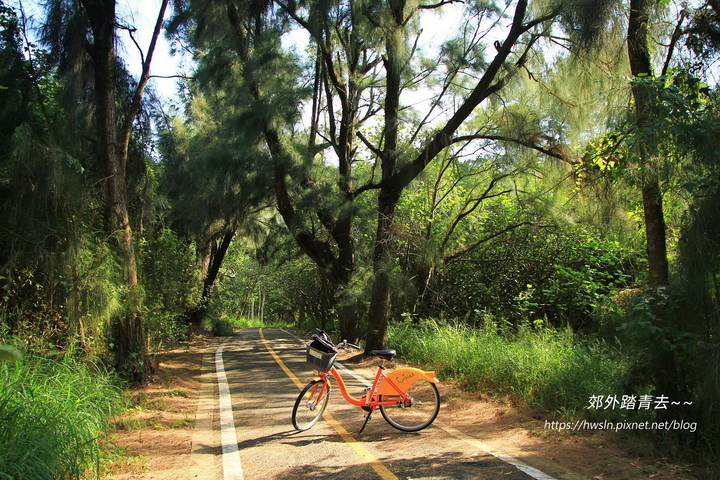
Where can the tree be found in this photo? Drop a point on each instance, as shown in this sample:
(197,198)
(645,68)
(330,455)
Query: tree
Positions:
(111,140)
(667,129)
(365,59)
(640,66)
(214,180)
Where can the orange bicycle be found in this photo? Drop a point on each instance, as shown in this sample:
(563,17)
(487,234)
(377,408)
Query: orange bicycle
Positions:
(408,397)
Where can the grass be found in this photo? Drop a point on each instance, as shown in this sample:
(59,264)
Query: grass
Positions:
(52,413)
(540,367)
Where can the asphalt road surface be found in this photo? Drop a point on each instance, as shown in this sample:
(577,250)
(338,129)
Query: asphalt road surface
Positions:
(248,433)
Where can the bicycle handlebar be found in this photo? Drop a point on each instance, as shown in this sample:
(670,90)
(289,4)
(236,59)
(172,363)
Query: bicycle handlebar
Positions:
(344,344)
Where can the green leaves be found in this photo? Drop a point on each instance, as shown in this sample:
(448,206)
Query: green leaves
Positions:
(9,354)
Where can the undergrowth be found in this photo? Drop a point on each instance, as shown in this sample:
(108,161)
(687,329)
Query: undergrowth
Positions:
(539,367)
(52,413)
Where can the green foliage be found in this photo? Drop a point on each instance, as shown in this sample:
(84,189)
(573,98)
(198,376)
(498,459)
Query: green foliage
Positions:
(285,290)
(654,327)
(677,128)
(51,415)
(540,367)
(554,275)
(171,283)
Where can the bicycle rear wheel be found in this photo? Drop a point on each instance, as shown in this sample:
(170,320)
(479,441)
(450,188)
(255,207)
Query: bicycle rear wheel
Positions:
(310,405)
(423,407)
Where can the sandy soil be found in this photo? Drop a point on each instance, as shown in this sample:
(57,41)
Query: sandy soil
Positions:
(152,440)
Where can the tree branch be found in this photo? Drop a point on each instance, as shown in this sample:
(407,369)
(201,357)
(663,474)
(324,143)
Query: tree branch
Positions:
(518,141)
(439,4)
(673,41)
(455,255)
(142,83)
(369,145)
(486,86)
(473,204)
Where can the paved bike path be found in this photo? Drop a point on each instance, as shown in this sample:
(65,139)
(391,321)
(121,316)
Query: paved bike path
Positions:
(263,395)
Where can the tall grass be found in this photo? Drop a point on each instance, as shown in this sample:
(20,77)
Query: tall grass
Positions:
(540,367)
(51,415)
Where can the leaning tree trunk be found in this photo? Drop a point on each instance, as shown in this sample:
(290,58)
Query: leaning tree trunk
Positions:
(217,256)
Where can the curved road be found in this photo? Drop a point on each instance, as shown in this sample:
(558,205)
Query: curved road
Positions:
(250,385)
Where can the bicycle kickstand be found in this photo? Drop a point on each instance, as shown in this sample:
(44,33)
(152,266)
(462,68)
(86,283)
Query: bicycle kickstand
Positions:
(367,419)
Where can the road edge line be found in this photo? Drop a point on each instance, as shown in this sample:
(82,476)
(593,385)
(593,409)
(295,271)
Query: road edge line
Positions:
(363,452)
(232,467)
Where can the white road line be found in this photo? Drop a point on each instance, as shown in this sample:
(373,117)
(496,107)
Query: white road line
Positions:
(232,468)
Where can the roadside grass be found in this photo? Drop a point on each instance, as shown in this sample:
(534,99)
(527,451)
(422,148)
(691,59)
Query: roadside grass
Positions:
(52,413)
(541,367)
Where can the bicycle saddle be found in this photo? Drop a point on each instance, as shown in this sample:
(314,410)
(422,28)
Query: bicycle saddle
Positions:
(384,354)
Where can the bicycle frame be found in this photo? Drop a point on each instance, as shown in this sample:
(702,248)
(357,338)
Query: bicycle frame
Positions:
(393,384)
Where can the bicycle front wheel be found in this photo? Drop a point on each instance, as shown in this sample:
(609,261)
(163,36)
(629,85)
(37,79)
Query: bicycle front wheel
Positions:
(310,405)
(417,413)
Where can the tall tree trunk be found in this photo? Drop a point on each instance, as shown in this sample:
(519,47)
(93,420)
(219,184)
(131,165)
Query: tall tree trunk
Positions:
(383,261)
(640,66)
(131,356)
(663,364)
(389,194)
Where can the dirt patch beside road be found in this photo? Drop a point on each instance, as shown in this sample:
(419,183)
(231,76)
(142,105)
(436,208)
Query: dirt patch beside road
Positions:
(153,439)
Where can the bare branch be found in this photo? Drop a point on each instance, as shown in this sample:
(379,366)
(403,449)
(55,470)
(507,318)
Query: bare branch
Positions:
(456,255)
(184,77)
(131,31)
(673,41)
(366,187)
(471,205)
(439,4)
(369,145)
(142,82)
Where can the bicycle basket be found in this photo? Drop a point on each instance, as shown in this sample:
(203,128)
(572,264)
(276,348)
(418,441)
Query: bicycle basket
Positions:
(320,354)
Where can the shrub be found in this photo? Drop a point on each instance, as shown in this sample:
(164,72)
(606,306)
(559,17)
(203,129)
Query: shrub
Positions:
(559,276)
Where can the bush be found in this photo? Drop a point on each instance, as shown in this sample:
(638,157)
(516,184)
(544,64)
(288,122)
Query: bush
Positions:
(559,276)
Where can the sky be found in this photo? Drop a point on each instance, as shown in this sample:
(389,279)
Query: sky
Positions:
(436,27)
(142,14)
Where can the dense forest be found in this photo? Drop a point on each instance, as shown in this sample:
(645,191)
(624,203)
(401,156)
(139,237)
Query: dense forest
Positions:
(400,172)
